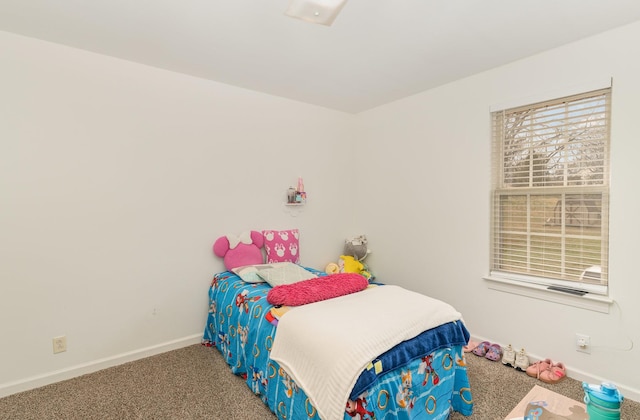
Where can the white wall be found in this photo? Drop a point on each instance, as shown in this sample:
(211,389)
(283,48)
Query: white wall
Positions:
(428,188)
(115,180)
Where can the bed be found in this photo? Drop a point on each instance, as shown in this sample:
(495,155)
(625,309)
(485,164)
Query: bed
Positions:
(421,377)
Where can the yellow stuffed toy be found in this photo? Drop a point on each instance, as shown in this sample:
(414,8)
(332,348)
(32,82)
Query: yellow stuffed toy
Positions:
(349,264)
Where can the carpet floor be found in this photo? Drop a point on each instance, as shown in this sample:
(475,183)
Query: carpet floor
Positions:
(196,383)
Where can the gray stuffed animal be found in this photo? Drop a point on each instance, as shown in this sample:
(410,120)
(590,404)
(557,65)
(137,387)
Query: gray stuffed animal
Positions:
(357,247)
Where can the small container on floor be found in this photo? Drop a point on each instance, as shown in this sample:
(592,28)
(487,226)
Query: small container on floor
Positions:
(603,401)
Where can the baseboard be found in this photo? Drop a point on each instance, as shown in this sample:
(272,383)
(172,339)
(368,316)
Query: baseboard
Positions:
(96,365)
(578,375)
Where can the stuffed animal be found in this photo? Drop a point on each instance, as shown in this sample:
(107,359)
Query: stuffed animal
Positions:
(348,264)
(240,250)
(357,247)
(355,251)
(332,268)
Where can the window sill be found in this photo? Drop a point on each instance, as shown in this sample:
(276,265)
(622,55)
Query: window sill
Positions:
(589,301)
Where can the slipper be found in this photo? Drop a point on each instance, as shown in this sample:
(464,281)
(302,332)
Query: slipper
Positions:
(481,349)
(538,367)
(554,374)
(470,346)
(494,352)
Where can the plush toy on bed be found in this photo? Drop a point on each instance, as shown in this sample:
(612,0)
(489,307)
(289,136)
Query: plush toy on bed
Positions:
(240,250)
(348,264)
(357,247)
(355,250)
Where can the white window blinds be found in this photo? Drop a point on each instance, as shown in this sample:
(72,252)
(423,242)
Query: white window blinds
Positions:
(551,190)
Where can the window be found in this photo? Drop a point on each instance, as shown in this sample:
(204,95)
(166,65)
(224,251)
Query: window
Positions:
(551,192)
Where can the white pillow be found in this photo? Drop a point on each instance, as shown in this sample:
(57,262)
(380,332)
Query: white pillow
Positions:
(249,273)
(288,273)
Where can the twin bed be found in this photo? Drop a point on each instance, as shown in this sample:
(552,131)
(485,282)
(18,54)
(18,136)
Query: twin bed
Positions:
(380,353)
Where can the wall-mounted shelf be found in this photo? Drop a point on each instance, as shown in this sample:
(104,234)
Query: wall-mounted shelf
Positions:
(293,208)
(296,199)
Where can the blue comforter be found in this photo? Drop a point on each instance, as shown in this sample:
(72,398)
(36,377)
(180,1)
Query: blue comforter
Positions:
(422,378)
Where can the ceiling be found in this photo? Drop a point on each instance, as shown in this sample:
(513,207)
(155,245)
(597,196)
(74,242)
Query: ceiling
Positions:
(377,51)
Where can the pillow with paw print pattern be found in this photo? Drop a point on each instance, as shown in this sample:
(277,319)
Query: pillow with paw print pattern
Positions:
(282,245)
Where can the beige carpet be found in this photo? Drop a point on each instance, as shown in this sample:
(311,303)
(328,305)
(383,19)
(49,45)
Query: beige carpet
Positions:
(548,405)
(498,389)
(196,383)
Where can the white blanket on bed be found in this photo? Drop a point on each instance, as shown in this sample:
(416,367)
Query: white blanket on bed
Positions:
(324,346)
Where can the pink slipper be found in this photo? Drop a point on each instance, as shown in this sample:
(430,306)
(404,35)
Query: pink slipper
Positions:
(538,367)
(554,374)
(494,352)
(481,349)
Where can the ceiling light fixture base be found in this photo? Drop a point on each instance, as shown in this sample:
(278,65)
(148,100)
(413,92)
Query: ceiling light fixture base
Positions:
(323,12)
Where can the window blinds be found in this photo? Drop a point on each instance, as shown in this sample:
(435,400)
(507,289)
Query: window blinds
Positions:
(551,189)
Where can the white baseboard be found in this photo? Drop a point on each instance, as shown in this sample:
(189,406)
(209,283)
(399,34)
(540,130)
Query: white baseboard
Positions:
(96,365)
(578,375)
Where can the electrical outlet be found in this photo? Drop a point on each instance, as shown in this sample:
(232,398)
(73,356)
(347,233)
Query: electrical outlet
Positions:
(583,343)
(59,344)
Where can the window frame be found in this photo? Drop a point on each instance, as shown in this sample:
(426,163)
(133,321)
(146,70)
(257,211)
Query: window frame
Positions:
(498,190)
